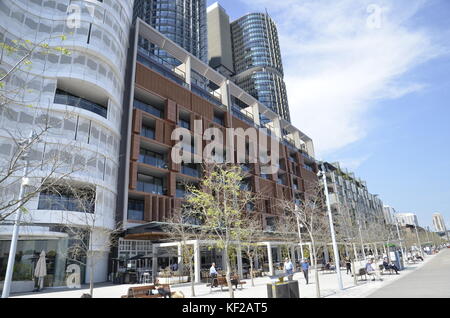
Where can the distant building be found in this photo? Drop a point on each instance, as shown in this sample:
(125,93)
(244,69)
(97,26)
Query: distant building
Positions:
(389,215)
(405,219)
(439,223)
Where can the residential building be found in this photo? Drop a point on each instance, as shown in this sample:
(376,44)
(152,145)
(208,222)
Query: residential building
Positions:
(439,223)
(389,215)
(257,64)
(81,95)
(405,219)
(163,98)
(351,193)
(182,21)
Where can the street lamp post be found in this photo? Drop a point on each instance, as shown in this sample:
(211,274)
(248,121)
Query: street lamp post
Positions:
(333,234)
(15,235)
(300,226)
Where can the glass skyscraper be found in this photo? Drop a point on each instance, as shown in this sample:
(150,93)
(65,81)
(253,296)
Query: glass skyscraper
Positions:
(182,21)
(257,61)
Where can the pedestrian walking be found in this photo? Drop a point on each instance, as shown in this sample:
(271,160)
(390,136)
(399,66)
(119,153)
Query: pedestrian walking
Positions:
(305,270)
(348,265)
(289,268)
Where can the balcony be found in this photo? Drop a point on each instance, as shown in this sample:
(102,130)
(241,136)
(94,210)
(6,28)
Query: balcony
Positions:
(65,98)
(153,161)
(162,66)
(148,108)
(189,171)
(150,188)
(148,132)
(242,115)
(206,93)
(219,121)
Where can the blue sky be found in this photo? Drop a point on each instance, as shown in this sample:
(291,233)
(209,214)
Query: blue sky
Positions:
(371,86)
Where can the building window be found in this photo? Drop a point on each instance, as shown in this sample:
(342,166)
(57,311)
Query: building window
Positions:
(152,158)
(148,132)
(65,199)
(65,98)
(136,210)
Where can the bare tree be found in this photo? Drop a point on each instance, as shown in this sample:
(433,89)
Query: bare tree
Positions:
(250,234)
(221,203)
(84,227)
(182,227)
(312,215)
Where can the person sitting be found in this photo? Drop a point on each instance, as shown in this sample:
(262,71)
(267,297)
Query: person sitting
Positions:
(390,266)
(160,290)
(419,257)
(370,270)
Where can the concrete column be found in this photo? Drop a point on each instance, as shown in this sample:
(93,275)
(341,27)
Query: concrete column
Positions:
(188,70)
(180,258)
(269,256)
(197,262)
(279,256)
(355,251)
(154,261)
(239,261)
(256,259)
(326,254)
(293,254)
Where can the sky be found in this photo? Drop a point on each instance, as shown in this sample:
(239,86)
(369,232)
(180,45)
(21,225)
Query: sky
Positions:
(369,81)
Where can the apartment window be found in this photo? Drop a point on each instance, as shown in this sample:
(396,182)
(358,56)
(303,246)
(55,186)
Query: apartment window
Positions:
(152,158)
(64,98)
(67,199)
(184,124)
(136,210)
(148,132)
(150,184)
(190,170)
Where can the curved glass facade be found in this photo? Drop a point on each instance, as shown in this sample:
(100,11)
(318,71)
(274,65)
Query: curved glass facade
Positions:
(257,61)
(80,96)
(182,21)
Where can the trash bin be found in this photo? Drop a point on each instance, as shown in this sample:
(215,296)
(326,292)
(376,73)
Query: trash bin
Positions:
(288,289)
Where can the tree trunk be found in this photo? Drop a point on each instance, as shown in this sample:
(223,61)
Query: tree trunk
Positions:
(191,272)
(316,272)
(355,279)
(91,277)
(228,275)
(251,270)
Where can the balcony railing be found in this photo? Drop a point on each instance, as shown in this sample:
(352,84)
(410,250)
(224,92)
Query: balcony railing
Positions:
(148,132)
(150,188)
(242,115)
(306,167)
(65,98)
(162,66)
(148,108)
(211,96)
(190,172)
(153,161)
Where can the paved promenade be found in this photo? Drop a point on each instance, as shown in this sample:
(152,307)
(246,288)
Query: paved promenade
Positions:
(430,281)
(328,284)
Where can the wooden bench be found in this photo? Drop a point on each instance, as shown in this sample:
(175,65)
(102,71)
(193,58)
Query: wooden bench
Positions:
(385,271)
(145,291)
(222,282)
(322,268)
(362,272)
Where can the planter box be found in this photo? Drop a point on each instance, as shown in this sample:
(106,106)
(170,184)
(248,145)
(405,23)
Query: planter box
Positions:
(173,280)
(20,286)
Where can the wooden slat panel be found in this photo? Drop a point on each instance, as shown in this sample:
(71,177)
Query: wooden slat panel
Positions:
(171,111)
(152,81)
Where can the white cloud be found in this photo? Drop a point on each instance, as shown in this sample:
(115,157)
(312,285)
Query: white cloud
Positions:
(337,68)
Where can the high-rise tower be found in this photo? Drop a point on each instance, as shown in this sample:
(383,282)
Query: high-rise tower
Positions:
(248,52)
(182,21)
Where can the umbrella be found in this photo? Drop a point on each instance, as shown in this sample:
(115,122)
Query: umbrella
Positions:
(41,270)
